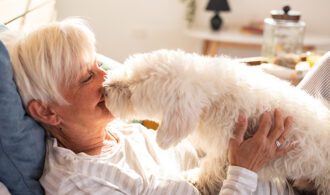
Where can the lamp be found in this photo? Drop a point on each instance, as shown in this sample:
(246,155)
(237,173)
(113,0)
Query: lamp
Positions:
(217,6)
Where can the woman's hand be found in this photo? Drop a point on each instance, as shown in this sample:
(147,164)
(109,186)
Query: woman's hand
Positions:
(266,144)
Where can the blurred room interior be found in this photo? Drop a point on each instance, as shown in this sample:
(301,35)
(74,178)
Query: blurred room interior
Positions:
(125,27)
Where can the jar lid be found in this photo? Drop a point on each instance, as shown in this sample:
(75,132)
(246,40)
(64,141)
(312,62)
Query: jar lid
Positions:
(286,14)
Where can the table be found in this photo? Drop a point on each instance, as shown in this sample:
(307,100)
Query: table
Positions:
(234,38)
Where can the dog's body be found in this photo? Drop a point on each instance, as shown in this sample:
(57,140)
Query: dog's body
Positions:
(202,97)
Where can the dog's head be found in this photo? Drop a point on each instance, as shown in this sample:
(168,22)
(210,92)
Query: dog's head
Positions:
(150,87)
(126,95)
(118,99)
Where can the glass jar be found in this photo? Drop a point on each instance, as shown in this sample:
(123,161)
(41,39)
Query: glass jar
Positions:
(283,34)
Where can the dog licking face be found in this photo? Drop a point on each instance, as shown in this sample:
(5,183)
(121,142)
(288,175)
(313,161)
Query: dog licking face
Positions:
(120,101)
(200,98)
(141,92)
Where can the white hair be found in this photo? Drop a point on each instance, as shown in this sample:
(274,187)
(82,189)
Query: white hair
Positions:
(51,57)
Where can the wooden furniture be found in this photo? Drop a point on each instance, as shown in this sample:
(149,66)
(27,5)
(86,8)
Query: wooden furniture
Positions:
(26,14)
(234,38)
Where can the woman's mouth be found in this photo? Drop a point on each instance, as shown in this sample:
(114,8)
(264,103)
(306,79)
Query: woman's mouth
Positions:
(101,102)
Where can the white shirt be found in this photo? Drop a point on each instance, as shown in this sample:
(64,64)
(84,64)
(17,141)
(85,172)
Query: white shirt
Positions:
(136,165)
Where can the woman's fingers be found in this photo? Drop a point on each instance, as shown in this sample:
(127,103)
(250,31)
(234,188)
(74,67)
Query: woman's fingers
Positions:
(278,129)
(241,127)
(279,134)
(276,136)
(287,127)
(255,152)
(285,149)
(265,124)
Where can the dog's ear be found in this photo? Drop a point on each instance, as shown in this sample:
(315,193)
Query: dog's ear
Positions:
(179,120)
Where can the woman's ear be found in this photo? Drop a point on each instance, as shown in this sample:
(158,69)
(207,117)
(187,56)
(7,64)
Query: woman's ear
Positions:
(43,113)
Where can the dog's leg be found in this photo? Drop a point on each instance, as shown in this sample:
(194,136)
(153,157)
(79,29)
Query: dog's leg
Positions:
(179,119)
(212,174)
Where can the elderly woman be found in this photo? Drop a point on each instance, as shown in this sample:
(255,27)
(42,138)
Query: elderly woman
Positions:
(88,152)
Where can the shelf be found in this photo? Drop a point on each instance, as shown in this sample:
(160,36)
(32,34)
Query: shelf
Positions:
(234,38)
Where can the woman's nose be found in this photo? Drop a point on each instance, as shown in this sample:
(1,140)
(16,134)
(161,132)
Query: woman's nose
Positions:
(101,77)
(101,74)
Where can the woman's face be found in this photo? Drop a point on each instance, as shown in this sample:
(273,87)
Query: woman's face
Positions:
(86,110)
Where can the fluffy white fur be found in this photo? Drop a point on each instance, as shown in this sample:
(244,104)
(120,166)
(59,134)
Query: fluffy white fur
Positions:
(200,97)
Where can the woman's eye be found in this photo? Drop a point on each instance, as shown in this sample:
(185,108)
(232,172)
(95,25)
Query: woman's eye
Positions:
(90,76)
(99,64)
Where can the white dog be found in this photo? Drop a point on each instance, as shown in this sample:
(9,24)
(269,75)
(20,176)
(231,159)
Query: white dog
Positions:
(202,97)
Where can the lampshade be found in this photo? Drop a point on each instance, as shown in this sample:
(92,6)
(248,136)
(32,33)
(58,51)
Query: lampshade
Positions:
(218,5)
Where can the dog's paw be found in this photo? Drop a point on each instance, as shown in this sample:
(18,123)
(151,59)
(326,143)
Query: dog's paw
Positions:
(205,189)
(304,186)
(162,142)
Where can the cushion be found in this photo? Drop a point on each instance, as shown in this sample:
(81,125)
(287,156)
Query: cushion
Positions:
(22,140)
(317,80)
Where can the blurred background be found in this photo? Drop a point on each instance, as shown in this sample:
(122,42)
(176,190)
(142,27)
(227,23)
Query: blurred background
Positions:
(124,27)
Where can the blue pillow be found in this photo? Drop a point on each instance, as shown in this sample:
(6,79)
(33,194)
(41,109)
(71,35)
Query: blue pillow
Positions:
(22,140)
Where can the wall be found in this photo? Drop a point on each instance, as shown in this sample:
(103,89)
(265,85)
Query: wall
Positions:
(124,27)
(24,15)
(315,13)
